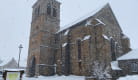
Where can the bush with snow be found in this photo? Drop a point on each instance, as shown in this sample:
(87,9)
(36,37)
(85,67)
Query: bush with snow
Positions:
(100,71)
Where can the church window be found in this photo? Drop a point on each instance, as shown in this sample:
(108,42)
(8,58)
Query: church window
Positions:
(79,49)
(54,12)
(32,67)
(79,54)
(37,27)
(80,67)
(134,67)
(113,50)
(37,11)
(49,9)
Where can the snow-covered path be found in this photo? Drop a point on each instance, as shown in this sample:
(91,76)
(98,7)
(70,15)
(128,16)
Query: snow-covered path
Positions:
(72,77)
(129,77)
(56,78)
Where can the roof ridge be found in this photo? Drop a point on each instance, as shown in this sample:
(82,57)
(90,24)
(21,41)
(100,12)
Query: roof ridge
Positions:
(90,14)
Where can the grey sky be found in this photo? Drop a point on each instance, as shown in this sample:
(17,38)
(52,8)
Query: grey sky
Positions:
(15,19)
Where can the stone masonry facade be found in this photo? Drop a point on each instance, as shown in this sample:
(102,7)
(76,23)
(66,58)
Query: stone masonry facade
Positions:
(85,48)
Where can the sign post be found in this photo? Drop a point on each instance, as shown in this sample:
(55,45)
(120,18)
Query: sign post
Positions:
(13,74)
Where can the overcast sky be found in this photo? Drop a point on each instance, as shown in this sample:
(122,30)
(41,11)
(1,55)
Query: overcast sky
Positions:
(15,19)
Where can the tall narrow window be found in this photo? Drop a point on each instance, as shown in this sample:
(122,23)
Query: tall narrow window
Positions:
(54,12)
(49,9)
(79,54)
(134,67)
(113,48)
(79,49)
(37,11)
(32,67)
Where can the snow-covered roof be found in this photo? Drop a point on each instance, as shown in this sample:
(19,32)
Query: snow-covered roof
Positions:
(82,19)
(14,69)
(5,61)
(130,55)
(114,65)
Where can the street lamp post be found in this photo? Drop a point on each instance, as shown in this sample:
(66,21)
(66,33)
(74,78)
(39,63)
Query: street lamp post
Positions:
(20,48)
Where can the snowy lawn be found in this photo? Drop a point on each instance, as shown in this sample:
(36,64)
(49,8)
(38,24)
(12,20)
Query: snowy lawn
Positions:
(71,77)
(129,77)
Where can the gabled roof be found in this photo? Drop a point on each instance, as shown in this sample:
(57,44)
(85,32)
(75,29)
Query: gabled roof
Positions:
(82,18)
(130,55)
(9,62)
(90,15)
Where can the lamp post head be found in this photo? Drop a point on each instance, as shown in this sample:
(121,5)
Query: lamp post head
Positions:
(20,46)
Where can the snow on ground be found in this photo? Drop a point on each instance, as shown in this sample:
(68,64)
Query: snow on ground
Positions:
(129,77)
(71,77)
(130,55)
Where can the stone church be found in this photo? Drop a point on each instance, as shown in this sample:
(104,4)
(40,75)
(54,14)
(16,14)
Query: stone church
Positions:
(84,48)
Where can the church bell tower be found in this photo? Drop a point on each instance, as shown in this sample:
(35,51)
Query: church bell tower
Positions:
(45,23)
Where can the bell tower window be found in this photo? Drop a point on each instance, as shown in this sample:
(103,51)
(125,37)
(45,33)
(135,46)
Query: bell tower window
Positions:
(49,9)
(37,11)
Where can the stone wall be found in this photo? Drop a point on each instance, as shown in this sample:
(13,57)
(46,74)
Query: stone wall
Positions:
(85,48)
(94,50)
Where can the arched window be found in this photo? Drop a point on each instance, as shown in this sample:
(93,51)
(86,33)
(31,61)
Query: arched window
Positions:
(79,49)
(49,9)
(54,12)
(113,49)
(79,53)
(32,67)
(37,11)
(134,67)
